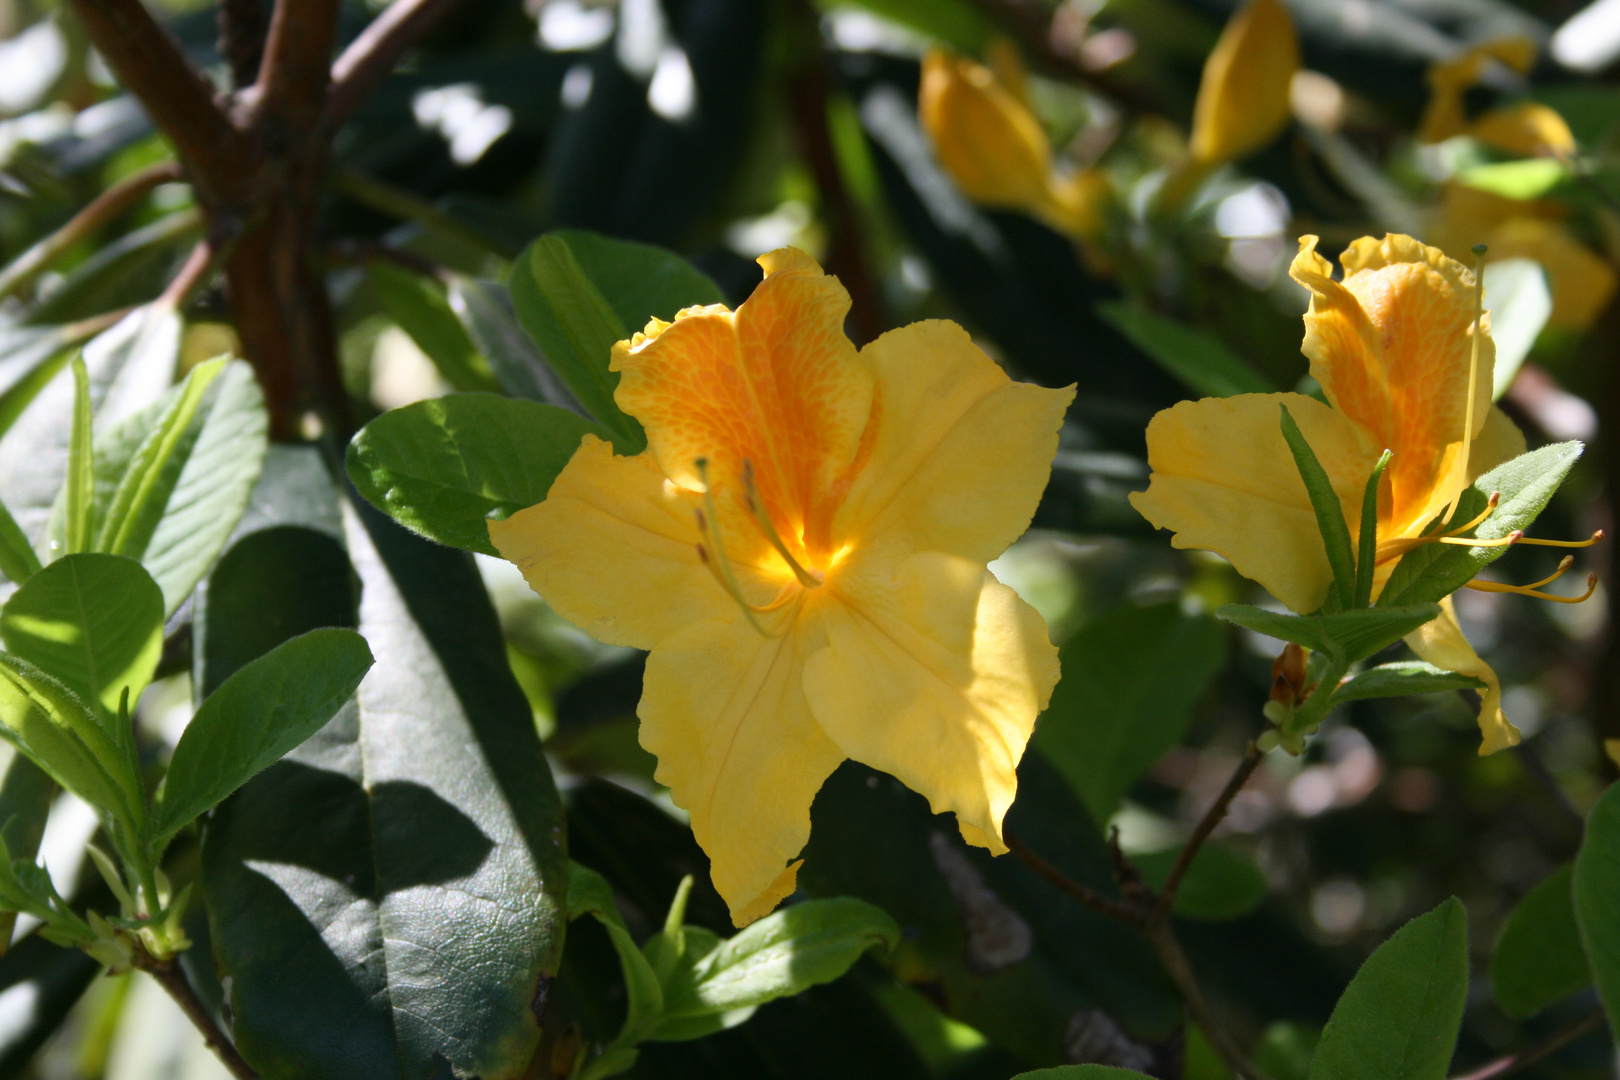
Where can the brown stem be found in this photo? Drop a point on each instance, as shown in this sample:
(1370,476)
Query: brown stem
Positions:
(196,268)
(102,209)
(296,70)
(173,979)
(1083,893)
(1163,939)
(1553,1043)
(1212,817)
(373,54)
(177,96)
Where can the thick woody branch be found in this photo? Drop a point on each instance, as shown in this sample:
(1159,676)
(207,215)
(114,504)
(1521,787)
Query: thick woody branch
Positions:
(176,95)
(371,56)
(296,67)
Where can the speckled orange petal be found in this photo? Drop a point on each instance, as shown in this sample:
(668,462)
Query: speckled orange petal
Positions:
(776,384)
(1391,348)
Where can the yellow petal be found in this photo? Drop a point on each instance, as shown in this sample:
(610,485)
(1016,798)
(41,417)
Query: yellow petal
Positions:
(724,711)
(1243,99)
(1224,481)
(776,385)
(613,550)
(1442,644)
(1450,80)
(1525,129)
(984,134)
(935,673)
(1581,282)
(959,454)
(1391,347)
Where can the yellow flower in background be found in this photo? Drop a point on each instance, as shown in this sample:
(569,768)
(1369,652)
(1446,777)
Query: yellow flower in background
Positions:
(803,548)
(1242,100)
(1392,346)
(1523,129)
(989,140)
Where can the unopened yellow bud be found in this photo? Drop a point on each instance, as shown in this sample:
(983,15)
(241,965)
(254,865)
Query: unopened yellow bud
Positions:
(1243,99)
(984,133)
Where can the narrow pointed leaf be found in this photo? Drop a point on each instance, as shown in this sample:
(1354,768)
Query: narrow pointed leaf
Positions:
(1401,678)
(1329,514)
(590,894)
(1367,543)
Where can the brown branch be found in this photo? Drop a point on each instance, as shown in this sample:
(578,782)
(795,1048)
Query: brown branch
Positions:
(173,979)
(1092,899)
(296,68)
(372,55)
(102,209)
(241,39)
(197,267)
(1512,1063)
(178,97)
(1212,817)
(1162,937)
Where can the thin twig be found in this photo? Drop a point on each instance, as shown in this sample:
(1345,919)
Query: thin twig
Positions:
(372,55)
(1083,893)
(1512,1063)
(1163,939)
(172,978)
(102,209)
(1212,817)
(197,267)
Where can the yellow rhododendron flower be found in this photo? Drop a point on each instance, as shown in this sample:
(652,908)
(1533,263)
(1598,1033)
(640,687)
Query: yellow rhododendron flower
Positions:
(1391,347)
(1242,100)
(1524,129)
(989,140)
(803,548)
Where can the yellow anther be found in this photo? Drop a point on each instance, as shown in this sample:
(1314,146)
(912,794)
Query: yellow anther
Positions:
(808,578)
(1532,591)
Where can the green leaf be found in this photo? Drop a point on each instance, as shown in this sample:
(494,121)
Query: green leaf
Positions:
(1596,892)
(1115,713)
(1345,636)
(17,558)
(1398,1018)
(1199,360)
(259,714)
(1520,303)
(386,899)
(419,306)
(1530,178)
(1082,1072)
(590,894)
(787,951)
(1526,485)
(578,294)
(1220,885)
(485,309)
(1329,513)
(1367,539)
(441,467)
(1402,678)
(94,623)
(79,488)
(24,390)
(61,735)
(1538,959)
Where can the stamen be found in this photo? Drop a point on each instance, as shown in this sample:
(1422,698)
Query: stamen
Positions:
(806,578)
(719,565)
(1564,543)
(1473,372)
(1514,537)
(1389,549)
(1532,591)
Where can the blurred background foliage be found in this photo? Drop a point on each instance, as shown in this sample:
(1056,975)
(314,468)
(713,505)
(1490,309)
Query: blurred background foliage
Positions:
(1144,262)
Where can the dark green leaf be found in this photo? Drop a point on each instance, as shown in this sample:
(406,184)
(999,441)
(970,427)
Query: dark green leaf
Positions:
(419,306)
(590,894)
(1596,892)
(1220,885)
(1526,484)
(1367,540)
(1398,1018)
(387,898)
(485,309)
(1199,360)
(1346,636)
(25,800)
(440,467)
(1114,713)
(1329,513)
(259,714)
(94,623)
(1538,959)
(1401,678)
(639,281)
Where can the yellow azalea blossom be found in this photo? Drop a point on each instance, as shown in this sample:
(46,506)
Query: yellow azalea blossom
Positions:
(803,548)
(1524,129)
(989,140)
(1391,347)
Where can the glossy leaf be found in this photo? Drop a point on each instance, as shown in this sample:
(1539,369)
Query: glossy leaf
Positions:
(1114,713)
(440,467)
(1200,361)
(1403,677)
(264,710)
(419,306)
(485,309)
(1347,636)
(1538,959)
(1399,1016)
(1526,484)
(1220,885)
(1596,892)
